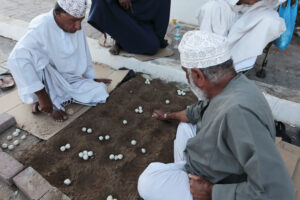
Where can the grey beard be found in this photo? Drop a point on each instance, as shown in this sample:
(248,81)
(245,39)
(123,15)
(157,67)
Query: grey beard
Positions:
(197,91)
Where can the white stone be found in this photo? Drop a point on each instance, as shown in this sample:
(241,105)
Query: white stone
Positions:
(83,129)
(109,197)
(15,134)
(23,137)
(85,152)
(18,130)
(16,142)
(4,146)
(143,150)
(89,130)
(120,156)
(11,147)
(80,155)
(107,137)
(68,146)
(100,138)
(62,148)
(133,142)
(67,182)
(116,157)
(167,101)
(140,108)
(124,122)
(111,156)
(90,153)
(136,110)
(140,111)
(9,137)
(85,157)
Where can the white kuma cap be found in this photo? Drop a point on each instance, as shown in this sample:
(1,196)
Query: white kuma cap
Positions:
(76,8)
(202,49)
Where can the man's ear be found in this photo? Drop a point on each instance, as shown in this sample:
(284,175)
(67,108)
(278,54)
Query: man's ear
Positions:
(198,77)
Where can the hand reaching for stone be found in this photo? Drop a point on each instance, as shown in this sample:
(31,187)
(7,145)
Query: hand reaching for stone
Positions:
(159,114)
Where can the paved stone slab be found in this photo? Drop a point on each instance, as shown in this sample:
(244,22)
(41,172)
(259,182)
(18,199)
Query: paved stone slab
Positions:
(6,121)
(55,194)
(32,184)
(9,167)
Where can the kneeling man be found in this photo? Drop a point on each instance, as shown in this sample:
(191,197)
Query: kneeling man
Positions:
(52,64)
(224,147)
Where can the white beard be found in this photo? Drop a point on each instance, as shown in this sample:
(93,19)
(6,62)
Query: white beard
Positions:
(200,94)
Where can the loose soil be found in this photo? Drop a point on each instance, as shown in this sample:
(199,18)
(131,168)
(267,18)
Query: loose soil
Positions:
(99,177)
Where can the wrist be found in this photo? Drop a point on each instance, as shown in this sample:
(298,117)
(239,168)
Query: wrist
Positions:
(166,115)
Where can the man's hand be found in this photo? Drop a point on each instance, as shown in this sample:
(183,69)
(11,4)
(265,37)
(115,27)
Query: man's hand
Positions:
(45,103)
(200,188)
(126,4)
(103,80)
(159,114)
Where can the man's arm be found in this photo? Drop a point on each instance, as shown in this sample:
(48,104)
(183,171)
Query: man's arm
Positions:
(179,116)
(251,144)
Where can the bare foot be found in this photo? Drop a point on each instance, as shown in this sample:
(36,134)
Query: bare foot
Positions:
(59,116)
(115,49)
(35,108)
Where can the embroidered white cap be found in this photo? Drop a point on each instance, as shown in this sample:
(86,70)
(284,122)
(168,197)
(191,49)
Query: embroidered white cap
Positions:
(201,49)
(76,8)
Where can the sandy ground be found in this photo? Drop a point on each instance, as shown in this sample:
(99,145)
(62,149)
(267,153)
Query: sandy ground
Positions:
(99,176)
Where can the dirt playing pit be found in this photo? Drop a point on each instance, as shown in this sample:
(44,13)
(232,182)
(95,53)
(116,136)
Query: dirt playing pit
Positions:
(99,177)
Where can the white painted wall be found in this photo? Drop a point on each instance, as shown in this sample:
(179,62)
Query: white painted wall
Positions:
(185,10)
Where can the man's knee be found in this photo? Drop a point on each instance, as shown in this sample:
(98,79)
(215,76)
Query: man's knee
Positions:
(147,179)
(185,130)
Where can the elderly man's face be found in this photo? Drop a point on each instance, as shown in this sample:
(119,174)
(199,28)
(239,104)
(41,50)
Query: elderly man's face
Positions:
(196,89)
(68,23)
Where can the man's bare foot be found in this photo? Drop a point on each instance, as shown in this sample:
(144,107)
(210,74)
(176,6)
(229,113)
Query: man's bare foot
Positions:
(59,116)
(115,49)
(35,108)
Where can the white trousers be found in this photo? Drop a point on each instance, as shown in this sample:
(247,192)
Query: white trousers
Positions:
(162,181)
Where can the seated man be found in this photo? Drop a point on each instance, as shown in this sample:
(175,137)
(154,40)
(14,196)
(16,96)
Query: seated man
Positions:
(52,64)
(224,147)
(249,25)
(138,26)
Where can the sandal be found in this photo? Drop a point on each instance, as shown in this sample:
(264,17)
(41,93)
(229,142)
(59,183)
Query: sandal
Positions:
(6,81)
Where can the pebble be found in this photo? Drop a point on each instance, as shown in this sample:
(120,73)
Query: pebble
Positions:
(111,156)
(107,137)
(83,129)
(100,138)
(136,110)
(9,137)
(90,153)
(80,155)
(85,157)
(68,146)
(89,130)
(85,152)
(133,142)
(124,122)
(116,157)
(140,111)
(16,142)
(62,148)
(23,137)
(109,197)
(15,134)
(11,147)
(4,146)
(18,130)
(167,101)
(143,150)
(67,182)
(120,156)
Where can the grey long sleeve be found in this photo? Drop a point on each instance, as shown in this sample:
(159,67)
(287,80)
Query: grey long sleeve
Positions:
(253,146)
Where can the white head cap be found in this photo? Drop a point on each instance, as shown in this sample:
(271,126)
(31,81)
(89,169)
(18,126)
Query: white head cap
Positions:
(76,8)
(202,49)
